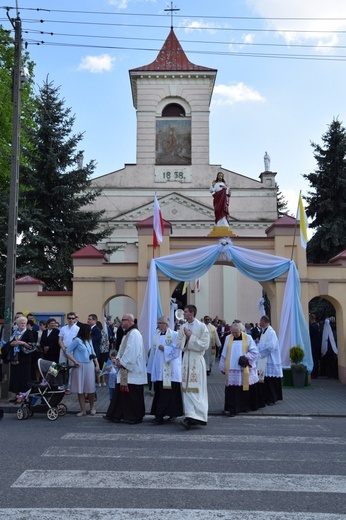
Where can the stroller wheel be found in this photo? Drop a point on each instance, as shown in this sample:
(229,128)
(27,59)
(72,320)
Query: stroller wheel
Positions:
(26,412)
(62,409)
(52,414)
(21,413)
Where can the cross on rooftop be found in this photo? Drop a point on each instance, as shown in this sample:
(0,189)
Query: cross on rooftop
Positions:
(172,9)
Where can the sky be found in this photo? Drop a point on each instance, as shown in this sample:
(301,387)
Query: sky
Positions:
(280,82)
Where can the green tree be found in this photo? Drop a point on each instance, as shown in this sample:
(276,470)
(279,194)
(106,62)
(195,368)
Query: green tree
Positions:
(6,66)
(6,107)
(54,222)
(281,203)
(6,117)
(327,201)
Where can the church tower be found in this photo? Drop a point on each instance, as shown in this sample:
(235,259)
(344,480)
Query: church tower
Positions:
(172,98)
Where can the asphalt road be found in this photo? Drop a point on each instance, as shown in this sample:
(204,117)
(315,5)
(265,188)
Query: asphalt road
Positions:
(247,467)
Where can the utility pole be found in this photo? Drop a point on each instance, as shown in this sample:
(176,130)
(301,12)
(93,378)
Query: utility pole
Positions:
(14,181)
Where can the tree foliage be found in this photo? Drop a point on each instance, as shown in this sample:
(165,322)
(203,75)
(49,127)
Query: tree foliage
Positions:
(6,119)
(327,201)
(281,202)
(53,221)
(6,108)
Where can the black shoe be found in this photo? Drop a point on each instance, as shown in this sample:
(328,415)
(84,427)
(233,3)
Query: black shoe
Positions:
(208,372)
(269,403)
(186,424)
(110,419)
(157,420)
(171,418)
(227,413)
(126,421)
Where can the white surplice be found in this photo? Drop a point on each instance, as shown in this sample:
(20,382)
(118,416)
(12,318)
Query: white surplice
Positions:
(194,377)
(171,354)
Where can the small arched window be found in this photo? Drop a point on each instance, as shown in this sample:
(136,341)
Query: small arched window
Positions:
(173,110)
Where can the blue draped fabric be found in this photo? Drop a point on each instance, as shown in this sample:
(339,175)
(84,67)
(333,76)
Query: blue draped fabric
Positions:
(261,267)
(184,267)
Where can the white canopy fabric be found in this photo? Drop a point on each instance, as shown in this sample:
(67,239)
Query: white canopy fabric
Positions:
(328,335)
(261,267)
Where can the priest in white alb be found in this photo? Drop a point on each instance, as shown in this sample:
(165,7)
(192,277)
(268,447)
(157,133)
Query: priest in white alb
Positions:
(269,364)
(193,340)
(238,364)
(164,365)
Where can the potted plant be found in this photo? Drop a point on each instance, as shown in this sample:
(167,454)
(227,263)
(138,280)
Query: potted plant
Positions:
(298,369)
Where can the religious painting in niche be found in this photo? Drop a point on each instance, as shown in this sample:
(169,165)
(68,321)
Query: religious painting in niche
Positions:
(173,141)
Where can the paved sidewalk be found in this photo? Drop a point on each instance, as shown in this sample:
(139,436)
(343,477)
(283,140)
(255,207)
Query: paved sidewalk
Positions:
(325,397)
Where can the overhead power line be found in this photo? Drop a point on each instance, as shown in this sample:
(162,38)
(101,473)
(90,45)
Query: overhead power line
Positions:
(158,15)
(213,53)
(238,49)
(203,42)
(187,26)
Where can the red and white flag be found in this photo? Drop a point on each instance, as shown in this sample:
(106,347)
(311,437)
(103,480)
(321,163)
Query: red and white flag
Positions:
(158,226)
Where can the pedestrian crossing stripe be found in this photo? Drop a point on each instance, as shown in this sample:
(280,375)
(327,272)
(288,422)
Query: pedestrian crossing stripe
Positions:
(165,453)
(158,514)
(193,437)
(181,480)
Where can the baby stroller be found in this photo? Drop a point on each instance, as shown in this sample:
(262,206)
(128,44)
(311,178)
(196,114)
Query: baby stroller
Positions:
(45,397)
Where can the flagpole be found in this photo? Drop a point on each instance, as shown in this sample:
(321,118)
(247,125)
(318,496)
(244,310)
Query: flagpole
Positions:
(296,225)
(153,229)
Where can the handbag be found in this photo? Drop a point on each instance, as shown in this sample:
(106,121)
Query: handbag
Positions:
(28,350)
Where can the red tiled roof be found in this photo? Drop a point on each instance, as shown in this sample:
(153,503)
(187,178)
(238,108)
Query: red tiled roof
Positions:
(285,221)
(171,58)
(149,222)
(88,252)
(337,258)
(27,279)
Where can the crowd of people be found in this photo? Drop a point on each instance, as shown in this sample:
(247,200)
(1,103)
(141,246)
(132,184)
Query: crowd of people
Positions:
(76,345)
(178,363)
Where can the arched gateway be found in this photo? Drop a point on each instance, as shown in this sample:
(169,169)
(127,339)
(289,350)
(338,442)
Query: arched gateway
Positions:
(258,266)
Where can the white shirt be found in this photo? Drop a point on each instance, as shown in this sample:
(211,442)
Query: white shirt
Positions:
(67,334)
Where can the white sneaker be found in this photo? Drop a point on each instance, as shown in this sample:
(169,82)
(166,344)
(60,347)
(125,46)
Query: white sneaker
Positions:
(98,385)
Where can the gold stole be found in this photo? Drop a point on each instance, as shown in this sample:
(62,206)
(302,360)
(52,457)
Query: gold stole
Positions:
(123,371)
(190,375)
(246,374)
(213,340)
(167,369)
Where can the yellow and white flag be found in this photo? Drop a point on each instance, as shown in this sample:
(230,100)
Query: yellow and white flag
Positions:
(301,216)
(184,288)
